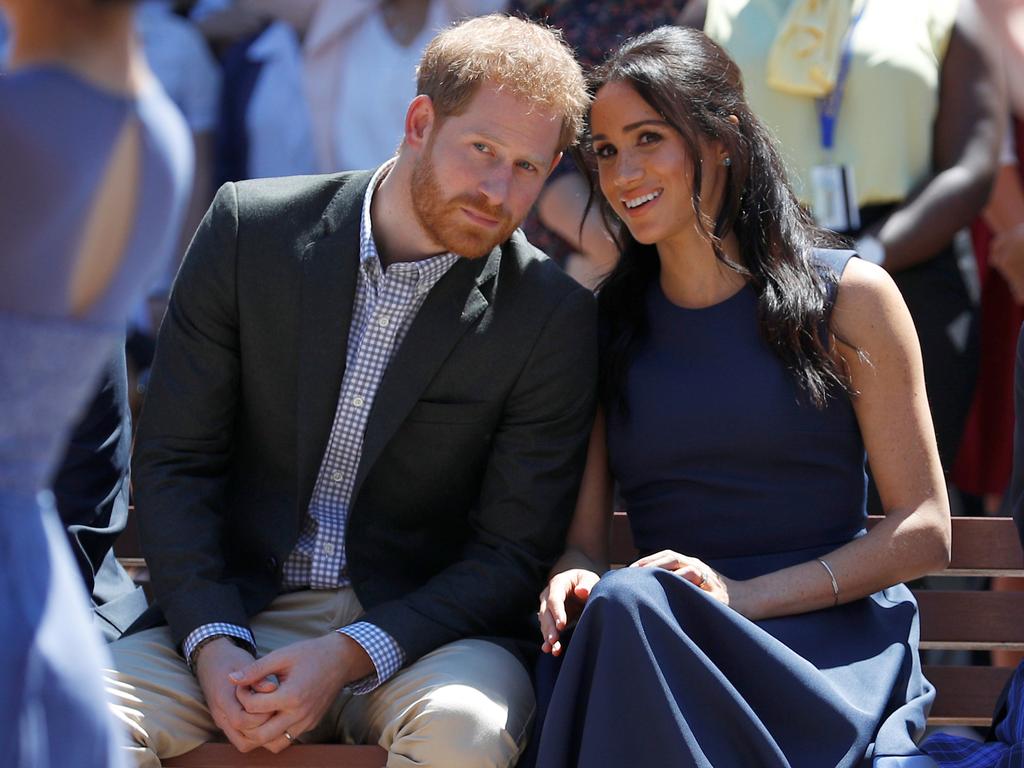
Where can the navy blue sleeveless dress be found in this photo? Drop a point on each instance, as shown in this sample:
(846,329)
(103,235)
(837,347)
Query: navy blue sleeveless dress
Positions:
(719,457)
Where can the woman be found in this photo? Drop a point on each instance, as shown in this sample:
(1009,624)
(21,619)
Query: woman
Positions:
(744,374)
(557,225)
(903,97)
(95,173)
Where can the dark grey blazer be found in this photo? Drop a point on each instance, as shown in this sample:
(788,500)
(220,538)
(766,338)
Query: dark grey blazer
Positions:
(472,454)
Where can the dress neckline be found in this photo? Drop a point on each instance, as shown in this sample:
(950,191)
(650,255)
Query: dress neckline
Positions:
(718,306)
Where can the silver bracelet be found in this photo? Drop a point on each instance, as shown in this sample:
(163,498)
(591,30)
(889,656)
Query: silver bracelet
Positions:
(832,576)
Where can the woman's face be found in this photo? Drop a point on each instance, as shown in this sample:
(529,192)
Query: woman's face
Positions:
(644,168)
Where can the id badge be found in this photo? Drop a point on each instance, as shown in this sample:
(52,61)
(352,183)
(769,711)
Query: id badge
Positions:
(834,198)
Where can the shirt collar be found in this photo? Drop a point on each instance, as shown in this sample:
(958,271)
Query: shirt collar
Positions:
(427,271)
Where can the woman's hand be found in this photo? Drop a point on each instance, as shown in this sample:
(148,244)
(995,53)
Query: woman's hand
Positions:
(561,603)
(693,570)
(1007,256)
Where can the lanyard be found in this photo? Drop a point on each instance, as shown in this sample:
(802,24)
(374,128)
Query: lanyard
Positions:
(828,107)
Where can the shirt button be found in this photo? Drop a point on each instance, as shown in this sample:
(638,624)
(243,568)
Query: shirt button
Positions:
(358,401)
(328,548)
(336,476)
(383,321)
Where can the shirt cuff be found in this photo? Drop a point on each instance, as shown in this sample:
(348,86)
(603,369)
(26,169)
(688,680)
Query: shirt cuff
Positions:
(216,629)
(384,651)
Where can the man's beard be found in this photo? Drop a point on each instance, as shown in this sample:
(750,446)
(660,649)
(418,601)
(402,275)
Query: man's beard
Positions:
(444,221)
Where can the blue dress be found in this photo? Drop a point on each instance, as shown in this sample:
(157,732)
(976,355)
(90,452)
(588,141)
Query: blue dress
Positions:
(719,457)
(57,134)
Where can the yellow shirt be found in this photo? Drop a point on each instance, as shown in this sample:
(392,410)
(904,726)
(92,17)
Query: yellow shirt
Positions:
(884,129)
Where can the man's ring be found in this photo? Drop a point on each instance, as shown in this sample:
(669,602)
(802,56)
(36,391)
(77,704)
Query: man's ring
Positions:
(703,578)
(289,736)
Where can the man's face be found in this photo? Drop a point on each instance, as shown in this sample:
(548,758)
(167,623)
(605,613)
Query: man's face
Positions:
(480,172)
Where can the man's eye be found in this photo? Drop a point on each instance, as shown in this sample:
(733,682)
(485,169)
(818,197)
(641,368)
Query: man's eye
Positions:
(526,166)
(479,147)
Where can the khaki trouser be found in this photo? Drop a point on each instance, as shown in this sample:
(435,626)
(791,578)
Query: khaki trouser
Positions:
(468,703)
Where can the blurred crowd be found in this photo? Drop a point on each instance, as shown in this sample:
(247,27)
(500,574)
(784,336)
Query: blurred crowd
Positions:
(901,124)
(913,156)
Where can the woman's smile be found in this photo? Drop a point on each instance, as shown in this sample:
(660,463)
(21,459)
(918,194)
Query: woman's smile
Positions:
(638,204)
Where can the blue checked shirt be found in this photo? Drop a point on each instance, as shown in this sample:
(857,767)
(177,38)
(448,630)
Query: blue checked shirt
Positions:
(384,308)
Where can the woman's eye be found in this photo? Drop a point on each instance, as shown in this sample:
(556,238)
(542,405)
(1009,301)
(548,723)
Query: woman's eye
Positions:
(604,150)
(649,138)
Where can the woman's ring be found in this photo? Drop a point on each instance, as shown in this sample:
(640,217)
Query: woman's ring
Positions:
(703,578)
(289,736)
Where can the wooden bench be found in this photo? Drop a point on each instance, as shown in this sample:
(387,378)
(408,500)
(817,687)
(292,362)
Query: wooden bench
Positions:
(950,619)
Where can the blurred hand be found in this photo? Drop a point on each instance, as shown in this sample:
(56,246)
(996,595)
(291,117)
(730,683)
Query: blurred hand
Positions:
(561,603)
(1007,256)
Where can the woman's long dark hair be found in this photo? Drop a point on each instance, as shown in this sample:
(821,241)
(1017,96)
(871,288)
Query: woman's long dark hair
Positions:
(696,88)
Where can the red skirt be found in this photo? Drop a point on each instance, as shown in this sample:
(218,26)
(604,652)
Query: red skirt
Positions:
(985,459)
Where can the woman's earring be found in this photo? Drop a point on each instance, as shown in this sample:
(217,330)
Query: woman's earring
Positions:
(727,162)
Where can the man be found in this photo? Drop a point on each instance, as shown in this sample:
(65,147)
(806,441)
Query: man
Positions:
(368,413)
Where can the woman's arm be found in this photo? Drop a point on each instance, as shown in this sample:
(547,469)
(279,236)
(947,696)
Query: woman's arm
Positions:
(693,15)
(1005,216)
(1005,208)
(562,207)
(586,551)
(892,411)
(965,149)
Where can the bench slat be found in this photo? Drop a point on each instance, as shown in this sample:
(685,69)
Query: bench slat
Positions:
(621,550)
(986,543)
(299,756)
(979,620)
(965,695)
(982,546)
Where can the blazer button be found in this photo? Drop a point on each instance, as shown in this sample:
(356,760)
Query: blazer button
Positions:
(272,564)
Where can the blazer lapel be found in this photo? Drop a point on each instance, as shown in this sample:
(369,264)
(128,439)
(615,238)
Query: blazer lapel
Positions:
(329,265)
(451,308)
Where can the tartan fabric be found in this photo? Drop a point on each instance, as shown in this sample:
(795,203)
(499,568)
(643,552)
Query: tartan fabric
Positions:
(1007,751)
